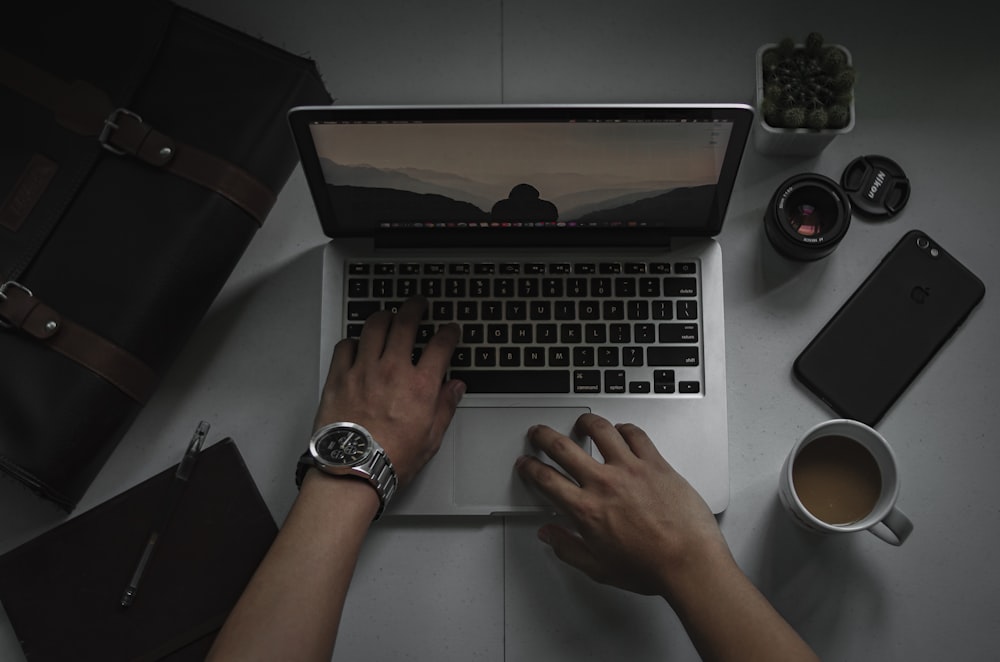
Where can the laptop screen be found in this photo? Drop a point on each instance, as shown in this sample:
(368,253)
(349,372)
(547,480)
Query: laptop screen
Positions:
(494,173)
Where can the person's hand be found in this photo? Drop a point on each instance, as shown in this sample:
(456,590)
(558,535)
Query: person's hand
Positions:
(639,525)
(373,382)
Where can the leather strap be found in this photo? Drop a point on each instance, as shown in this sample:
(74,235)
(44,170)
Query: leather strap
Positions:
(20,309)
(87,110)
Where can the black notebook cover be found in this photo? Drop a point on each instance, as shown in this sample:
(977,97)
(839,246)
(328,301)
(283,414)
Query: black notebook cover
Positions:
(63,589)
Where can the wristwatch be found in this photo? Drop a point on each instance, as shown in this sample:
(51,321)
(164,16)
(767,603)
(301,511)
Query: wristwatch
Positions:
(348,449)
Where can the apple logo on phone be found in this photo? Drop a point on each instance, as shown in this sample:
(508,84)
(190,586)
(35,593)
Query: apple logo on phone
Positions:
(920,294)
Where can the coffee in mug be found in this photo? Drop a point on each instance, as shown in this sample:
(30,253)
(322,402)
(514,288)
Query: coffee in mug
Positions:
(841,477)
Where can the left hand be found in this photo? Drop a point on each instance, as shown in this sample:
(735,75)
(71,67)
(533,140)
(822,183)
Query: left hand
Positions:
(374,383)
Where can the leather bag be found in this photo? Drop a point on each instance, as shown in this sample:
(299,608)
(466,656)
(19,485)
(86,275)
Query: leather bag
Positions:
(141,147)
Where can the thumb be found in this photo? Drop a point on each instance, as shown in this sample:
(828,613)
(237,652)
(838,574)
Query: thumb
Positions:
(447,402)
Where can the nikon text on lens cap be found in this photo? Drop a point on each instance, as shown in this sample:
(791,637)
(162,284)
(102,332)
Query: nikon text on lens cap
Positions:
(877,186)
(807,217)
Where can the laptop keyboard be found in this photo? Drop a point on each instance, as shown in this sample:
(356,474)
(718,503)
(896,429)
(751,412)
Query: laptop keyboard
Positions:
(610,328)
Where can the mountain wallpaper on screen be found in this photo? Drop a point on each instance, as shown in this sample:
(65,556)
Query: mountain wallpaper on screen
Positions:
(372,195)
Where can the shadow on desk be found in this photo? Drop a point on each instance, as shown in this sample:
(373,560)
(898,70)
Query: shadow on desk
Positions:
(823,585)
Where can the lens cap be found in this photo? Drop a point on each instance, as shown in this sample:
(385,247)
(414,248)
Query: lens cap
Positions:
(877,186)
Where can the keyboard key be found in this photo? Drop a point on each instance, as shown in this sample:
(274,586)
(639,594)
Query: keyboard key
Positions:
(385,269)
(583,356)
(672,356)
(632,356)
(664,381)
(521,333)
(595,334)
(625,288)
(559,356)
(689,387)
(357,288)
(687,309)
(680,287)
(454,288)
(600,287)
(585,268)
(637,309)
(459,268)
(443,311)
(534,357)
(484,268)
(503,287)
(546,333)
(541,310)
(590,310)
(461,357)
(467,310)
(510,357)
(570,333)
(663,310)
(635,267)
(607,357)
(359,269)
(638,387)
(685,268)
(645,333)
(496,333)
(472,334)
(517,310)
(610,268)
(434,269)
(485,357)
(678,333)
(382,288)
(359,311)
(586,381)
(649,287)
(614,381)
(514,381)
(659,268)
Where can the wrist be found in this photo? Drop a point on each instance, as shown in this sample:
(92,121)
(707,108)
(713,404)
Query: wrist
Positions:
(352,497)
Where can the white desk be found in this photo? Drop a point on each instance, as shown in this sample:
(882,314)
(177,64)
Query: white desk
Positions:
(439,589)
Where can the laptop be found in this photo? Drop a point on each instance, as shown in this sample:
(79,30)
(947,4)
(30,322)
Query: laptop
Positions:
(572,243)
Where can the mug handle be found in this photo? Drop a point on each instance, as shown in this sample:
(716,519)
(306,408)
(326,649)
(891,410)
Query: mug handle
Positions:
(899,528)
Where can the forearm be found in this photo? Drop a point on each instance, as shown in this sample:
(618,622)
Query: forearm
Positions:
(727,618)
(299,589)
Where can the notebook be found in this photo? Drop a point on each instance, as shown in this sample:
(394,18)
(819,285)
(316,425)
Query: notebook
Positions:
(63,589)
(573,244)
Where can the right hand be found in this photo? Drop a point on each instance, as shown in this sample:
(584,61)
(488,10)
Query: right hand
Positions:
(639,525)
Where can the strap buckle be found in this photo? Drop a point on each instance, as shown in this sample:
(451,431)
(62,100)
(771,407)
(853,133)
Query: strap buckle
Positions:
(110,124)
(4,324)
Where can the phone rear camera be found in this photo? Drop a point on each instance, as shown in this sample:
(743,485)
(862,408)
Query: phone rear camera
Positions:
(807,217)
(923,243)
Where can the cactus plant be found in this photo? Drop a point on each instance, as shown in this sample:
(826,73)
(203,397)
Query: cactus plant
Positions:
(806,86)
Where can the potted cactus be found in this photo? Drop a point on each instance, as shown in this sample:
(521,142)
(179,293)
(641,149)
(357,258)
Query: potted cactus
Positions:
(805,96)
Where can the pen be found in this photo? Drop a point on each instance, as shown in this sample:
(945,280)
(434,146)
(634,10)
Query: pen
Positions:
(168,505)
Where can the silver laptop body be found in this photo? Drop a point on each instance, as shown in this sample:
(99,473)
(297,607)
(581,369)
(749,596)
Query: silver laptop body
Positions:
(507,192)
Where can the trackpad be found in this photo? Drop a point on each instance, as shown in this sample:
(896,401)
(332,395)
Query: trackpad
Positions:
(487,441)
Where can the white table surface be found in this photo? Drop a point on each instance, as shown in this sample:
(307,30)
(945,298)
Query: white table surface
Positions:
(444,589)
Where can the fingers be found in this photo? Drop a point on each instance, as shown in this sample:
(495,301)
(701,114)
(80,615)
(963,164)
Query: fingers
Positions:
(402,333)
(437,354)
(576,461)
(639,442)
(557,488)
(605,435)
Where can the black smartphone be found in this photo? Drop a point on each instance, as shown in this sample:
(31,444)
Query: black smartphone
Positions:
(893,324)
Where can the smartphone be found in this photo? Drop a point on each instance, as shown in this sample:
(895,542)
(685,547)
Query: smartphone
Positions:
(890,328)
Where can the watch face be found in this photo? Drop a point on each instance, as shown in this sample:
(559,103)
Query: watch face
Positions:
(343,446)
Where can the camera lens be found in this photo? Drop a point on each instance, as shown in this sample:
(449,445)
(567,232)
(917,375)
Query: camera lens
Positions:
(807,217)
(923,243)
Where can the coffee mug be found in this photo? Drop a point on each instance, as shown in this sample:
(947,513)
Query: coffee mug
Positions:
(841,477)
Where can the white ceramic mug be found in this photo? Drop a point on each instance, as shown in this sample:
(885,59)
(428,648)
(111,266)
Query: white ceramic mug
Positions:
(883,520)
